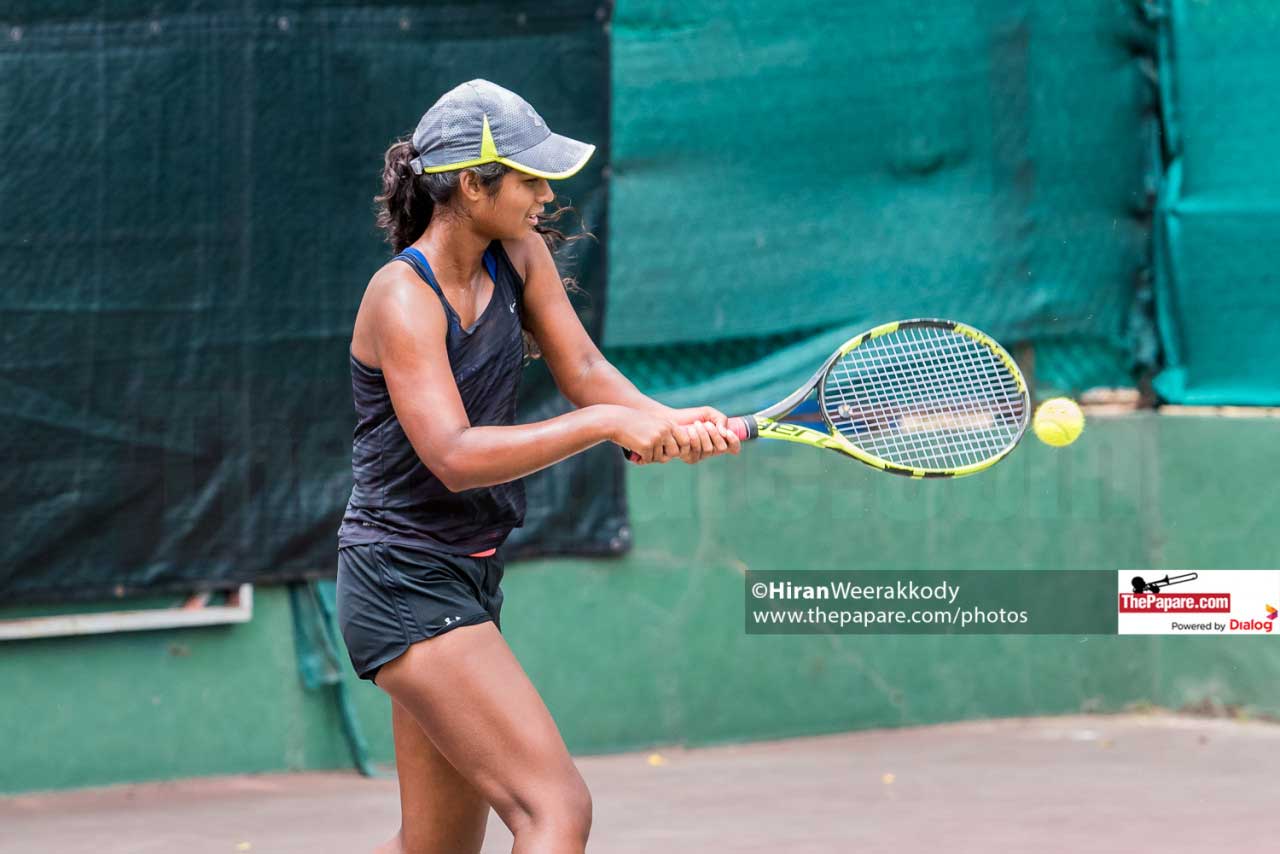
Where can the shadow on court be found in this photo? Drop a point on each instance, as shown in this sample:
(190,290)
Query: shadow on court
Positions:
(1074,784)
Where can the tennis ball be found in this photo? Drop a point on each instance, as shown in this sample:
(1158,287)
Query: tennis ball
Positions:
(1058,422)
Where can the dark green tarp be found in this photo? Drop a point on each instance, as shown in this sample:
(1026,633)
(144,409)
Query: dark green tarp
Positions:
(185,232)
(785,171)
(1219,224)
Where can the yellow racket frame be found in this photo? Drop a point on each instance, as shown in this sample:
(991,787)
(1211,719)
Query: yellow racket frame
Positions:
(768,425)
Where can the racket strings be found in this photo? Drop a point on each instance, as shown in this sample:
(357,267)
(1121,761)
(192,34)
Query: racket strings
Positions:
(925,397)
(934,401)
(938,425)
(929,430)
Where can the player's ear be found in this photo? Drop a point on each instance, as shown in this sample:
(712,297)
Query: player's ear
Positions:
(469,185)
(472,188)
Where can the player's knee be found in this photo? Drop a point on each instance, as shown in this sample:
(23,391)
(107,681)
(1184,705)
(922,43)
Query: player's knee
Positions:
(562,809)
(574,812)
(578,809)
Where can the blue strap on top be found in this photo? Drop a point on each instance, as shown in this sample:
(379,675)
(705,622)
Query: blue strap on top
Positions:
(419,262)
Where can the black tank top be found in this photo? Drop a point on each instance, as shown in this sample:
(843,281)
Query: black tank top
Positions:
(395,498)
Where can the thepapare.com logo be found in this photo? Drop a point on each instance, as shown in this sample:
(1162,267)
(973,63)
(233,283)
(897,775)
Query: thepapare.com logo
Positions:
(1203,601)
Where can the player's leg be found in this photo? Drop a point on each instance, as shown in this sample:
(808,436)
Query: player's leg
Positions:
(439,809)
(477,705)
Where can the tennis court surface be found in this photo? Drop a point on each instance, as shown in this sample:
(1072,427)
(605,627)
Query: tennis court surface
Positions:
(1129,783)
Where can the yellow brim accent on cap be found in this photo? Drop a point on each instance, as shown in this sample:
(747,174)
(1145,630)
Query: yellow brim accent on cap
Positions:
(550,176)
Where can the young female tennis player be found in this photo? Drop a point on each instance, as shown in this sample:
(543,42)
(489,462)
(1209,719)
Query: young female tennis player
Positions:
(436,357)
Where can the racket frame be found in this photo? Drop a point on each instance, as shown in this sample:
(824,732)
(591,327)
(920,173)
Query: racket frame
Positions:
(767,423)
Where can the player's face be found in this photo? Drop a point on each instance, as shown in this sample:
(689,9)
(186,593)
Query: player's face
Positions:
(519,203)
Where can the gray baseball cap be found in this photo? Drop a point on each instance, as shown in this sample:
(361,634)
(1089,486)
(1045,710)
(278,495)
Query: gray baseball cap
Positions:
(480,122)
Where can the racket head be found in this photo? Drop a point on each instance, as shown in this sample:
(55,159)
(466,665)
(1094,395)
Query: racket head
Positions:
(924,398)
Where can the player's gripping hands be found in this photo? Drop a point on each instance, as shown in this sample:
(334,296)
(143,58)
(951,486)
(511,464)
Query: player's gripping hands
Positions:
(709,433)
(690,435)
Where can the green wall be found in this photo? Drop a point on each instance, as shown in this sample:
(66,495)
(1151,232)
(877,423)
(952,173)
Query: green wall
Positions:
(650,649)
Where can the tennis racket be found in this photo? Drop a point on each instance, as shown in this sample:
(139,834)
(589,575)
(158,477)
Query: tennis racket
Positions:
(921,398)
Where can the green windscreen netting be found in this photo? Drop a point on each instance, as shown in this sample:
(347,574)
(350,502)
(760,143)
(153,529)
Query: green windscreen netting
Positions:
(1219,225)
(186,229)
(784,178)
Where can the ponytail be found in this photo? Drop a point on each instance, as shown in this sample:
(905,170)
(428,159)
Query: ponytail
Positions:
(405,205)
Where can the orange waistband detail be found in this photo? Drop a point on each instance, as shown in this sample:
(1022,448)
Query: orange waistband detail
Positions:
(486,553)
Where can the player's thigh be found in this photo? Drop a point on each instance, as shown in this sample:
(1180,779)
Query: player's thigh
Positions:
(479,708)
(439,809)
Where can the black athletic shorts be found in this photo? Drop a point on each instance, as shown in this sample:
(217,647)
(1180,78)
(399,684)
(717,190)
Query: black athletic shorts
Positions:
(391,596)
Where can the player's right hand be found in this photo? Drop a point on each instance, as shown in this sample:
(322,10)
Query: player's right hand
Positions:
(652,438)
(707,439)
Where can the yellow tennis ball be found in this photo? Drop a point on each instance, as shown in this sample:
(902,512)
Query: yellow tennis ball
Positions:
(1058,422)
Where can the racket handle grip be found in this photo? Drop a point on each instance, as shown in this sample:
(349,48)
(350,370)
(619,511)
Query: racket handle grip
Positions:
(741,425)
(744,426)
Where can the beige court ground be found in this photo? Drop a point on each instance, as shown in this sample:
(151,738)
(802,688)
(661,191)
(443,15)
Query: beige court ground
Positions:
(1096,784)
